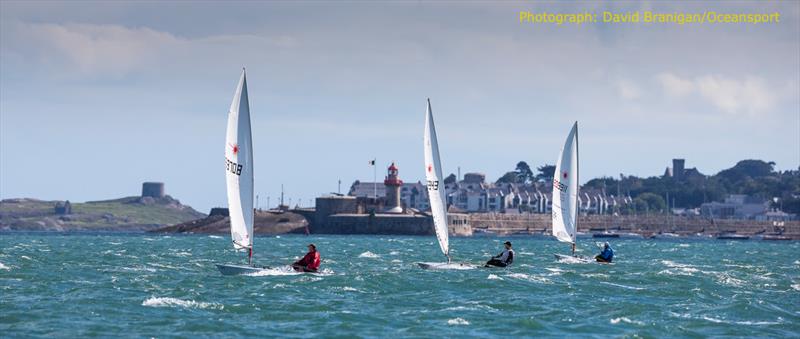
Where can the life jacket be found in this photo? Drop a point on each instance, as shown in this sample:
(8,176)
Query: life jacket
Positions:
(608,254)
(312,260)
(510,257)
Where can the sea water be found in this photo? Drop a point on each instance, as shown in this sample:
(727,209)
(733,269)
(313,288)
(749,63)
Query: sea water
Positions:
(111,285)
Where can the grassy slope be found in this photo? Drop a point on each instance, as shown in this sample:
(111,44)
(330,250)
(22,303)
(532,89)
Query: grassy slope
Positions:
(27,213)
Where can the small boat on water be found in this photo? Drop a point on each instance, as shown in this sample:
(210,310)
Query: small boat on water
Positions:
(239,181)
(565,196)
(433,176)
(732,237)
(605,235)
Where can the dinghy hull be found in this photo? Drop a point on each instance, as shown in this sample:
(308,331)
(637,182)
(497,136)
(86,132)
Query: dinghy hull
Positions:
(238,269)
(445,266)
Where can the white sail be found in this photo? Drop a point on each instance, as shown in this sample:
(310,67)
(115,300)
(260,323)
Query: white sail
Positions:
(565,190)
(239,168)
(433,175)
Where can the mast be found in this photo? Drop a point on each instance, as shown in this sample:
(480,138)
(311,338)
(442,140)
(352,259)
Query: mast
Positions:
(577,186)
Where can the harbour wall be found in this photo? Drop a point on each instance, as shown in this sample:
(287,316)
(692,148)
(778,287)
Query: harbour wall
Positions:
(401,224)
(642,224)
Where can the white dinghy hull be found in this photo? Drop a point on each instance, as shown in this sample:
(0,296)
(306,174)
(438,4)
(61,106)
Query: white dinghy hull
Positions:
(446,266)
(239,269)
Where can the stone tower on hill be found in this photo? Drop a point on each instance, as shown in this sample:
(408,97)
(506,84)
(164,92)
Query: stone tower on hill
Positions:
(153,189)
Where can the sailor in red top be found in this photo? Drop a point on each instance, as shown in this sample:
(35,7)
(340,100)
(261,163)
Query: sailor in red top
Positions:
(310,262)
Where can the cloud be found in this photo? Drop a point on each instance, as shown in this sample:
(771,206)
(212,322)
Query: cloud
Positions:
(750,95)
(675,86)
(628,89)
(90,48)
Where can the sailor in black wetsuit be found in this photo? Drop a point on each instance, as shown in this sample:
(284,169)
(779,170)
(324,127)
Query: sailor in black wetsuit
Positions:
(503,259)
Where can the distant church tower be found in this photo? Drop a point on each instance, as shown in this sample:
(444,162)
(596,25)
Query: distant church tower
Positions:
(393,183)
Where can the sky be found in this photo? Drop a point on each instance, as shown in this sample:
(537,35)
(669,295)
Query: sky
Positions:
(98,97)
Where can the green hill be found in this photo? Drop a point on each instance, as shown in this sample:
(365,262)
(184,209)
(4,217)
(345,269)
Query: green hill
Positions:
(125,214)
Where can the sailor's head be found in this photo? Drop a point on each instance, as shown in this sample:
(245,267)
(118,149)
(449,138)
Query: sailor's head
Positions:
(312,247)
(508,244)
(606,245)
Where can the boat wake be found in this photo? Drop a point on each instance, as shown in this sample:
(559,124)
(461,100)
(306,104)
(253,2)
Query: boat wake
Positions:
(275,271)
(286,270)
(568,259)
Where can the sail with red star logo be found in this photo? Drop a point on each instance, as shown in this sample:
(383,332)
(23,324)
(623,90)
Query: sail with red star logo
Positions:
(433,175)
(239,168)
(565,190)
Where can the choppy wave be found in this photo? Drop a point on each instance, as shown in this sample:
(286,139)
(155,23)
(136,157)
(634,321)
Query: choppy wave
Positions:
(175,302)
(625,320)
(529,277)
(623,286)
(713,291)
(457,321)
(368,254)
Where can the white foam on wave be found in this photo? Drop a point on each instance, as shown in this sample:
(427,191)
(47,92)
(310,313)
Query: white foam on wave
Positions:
(493,277)
(726,279)
(746,322)
(574,260)
(528,277)
(457,321)
(278,271)
(163,266)
(796,287)
(394,253)
(623,286)
(678,268)
(139,269)
(214,237)
(175,302)
(4,267)
(625,320)
(475,307)
(397,261)
(724,321)
(368,254)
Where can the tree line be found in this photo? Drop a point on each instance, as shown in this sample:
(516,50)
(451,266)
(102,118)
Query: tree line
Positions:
(755,178)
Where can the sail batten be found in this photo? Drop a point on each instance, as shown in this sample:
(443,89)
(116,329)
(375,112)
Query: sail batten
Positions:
(433,176)
(239,168)
(565,190)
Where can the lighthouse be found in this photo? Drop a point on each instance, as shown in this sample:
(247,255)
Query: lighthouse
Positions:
(393,183)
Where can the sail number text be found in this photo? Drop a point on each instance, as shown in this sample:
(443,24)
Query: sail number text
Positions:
(433,185)
(233,167)
(561,187)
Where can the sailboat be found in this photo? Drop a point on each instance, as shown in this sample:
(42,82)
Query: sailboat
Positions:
(565,194)
(433,176)
(239,179)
